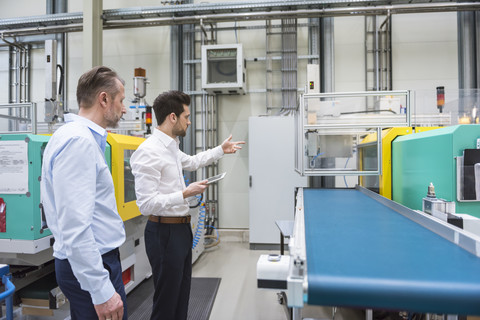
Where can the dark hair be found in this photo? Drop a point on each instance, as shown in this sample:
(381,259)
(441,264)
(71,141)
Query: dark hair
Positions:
(168,102)
(94,81)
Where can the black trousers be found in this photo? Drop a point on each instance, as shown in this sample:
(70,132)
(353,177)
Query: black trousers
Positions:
(81,305)
(169,250)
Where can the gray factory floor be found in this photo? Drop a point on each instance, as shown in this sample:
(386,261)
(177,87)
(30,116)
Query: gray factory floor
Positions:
(238,296)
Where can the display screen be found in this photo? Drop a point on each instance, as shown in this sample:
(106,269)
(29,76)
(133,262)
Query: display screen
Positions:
(129,181)
(222,65)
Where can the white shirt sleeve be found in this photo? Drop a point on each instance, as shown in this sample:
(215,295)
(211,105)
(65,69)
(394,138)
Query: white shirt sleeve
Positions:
(202,159)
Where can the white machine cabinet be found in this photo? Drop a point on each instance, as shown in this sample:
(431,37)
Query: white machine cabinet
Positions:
(272,178)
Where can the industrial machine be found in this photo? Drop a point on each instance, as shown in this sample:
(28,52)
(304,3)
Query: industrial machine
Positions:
(445,157)
(139,114)
(382,183)
(134,260)
(24,238)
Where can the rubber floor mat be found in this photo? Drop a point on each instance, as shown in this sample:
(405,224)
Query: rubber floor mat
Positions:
(202,297)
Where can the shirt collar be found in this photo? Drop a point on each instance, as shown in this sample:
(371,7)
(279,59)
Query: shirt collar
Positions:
(100,134)
(71,117)
(164,138)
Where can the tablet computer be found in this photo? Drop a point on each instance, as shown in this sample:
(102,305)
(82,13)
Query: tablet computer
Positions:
(216,178)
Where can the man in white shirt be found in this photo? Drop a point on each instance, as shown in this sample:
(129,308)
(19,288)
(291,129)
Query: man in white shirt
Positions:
(158,166)
(79,201)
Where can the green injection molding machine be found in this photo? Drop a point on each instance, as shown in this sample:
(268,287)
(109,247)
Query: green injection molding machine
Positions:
(439,157)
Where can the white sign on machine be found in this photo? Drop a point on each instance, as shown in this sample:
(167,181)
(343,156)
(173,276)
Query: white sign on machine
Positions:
(13,167)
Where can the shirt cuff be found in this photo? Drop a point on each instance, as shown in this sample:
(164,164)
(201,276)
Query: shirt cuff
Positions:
(218,152)
(104,294)
(177,198)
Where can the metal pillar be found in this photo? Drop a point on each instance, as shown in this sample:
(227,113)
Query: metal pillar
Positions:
(176,63)
(92,33)
(467,56)
(466,50)
(327,60)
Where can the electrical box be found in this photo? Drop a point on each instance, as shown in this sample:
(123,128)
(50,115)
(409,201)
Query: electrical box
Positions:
(313,78)
(223,69)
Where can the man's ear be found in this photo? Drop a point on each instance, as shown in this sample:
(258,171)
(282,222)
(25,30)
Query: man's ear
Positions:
(102,99)
(173,117)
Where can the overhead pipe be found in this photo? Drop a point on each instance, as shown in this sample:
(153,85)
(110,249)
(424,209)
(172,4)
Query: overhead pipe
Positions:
(260,7)
(41,30)
(45,20)
(303,13)
(50,23)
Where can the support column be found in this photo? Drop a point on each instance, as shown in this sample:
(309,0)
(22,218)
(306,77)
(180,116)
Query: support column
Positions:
(176,57)
(92,33)
(467,62)
(327,55)
(467,59)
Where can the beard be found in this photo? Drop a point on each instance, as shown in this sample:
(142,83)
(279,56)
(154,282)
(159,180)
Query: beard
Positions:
(112,119)
(179,132)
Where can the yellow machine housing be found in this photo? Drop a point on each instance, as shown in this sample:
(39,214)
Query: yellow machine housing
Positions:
(385,179)
(123,180)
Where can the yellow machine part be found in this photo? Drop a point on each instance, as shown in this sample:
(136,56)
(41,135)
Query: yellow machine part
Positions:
(388,135)
(122,148)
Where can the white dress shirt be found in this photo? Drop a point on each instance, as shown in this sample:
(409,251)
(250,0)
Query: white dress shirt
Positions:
(158,166)
(79,201)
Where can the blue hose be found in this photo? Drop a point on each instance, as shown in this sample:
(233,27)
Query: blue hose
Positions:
(200,225)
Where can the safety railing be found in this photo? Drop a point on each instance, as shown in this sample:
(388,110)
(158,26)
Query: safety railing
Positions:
(334,131)
(18,118)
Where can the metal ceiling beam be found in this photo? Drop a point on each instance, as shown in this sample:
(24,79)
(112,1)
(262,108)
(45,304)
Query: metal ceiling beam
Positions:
(224,12)
(258,7)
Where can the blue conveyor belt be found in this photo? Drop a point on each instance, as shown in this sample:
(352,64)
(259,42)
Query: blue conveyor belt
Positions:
(361,253)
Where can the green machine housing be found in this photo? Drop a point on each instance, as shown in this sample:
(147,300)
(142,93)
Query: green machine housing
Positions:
(25,235)
(436,157)
(24,220)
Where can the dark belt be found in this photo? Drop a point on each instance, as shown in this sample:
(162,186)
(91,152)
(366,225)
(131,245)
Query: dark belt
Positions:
(161,219)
